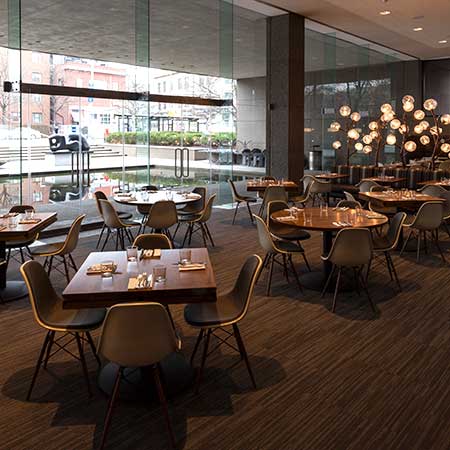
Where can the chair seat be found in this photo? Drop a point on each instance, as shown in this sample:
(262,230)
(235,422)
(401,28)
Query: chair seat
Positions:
(225,310)
(19,244)
(288,247)
(75,319)
(131,223)
(47,249)
(245,198)
(288,232)
(188,217)
(124,215)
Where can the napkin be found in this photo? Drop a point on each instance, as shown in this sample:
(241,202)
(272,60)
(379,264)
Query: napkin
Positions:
(191,266)
(286,218)
(192,196)
(133,284)
(374,216)
(148,254)
(98,269)
(29,221)
(2,227)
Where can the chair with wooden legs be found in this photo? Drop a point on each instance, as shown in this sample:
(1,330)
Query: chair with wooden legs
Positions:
(128,341)
(276,248)
(114,223)
(351,249)
(152,241)
(427,220)
(199,223)
(124,215)
(20,246)
(271,194)
(239,198)
(387,243)
(74,324)
(284,231)
(230,308)
(62,250)
(162,216)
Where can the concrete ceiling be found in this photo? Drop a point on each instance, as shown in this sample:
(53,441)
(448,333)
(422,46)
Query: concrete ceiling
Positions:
(362,18)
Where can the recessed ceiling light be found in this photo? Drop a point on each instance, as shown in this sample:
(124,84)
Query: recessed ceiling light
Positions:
(443,41)
(385,12)
(418,29)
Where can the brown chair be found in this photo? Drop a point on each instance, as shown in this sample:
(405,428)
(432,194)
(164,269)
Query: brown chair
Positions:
(20,245)
(284,231)
(230,308)
(272,193)
(239,198)
(351,249)
(273,249)
(124,215)
(195,207)
(152,241)
(115,224)
(387,243)
(50,315)
(199,222)
(162,216)
(62,250)
(128,341)
(427,220)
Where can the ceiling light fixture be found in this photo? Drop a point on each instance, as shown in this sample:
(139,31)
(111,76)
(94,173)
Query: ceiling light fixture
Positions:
(385,12)
(418,29)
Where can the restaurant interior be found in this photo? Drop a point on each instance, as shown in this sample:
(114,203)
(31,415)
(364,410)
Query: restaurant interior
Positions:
(224,224)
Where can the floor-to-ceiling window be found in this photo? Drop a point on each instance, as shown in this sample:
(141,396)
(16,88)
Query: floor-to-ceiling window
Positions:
(344,70)
(128,84)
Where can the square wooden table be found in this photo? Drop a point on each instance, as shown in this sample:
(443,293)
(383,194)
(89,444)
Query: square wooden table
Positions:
(13,290)
(399,199)
(385,180)
(330,176)
(262,185)
(91,291)
(441,183)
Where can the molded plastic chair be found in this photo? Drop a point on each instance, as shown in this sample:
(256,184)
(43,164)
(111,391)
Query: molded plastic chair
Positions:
(230,308)
(61,250)
(50,315)
(349,197)
(20,245)
(271,194)
(427,220)
(239,198)
(152,241)
(349,204)
(162,216)
(388,242)
(195,207)
(352,249)
(367,185)
(128,341)
(115,224)
(199,222)
(275,248)
(439,191)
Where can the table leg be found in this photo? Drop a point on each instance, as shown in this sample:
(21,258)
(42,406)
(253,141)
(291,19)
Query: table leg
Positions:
(176,373)
(316,280)
(9,290)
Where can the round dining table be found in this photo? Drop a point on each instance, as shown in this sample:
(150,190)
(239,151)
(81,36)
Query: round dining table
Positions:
(328,221)
(148,198)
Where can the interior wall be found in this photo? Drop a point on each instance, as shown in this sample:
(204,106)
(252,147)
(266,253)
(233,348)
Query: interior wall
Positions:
(436,76)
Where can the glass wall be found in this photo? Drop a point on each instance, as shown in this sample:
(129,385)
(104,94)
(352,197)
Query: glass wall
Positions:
(344,70)
(132,84)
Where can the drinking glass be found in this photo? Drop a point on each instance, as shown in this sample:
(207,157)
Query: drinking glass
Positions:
(159,274)
(29,214)
(185,256)
(132,254)
(13,221)
(107,268)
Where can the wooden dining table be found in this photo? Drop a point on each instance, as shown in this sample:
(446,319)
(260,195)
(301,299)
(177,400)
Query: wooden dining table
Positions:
(331,176)
(409,200)
(445,184)
(9,289)
(180,287)
(262,185)
(389,180)
(327,221)
(148,198)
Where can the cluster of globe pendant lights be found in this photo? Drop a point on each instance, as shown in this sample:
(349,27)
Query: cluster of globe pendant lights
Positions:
(388,116)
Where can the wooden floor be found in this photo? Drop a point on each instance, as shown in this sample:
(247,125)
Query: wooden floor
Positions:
(325,381)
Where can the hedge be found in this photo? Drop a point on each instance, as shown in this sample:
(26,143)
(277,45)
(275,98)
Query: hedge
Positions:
(172,138)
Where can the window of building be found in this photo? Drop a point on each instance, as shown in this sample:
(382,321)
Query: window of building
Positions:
(37,98)
(37,117)
(164,86)
(115,86)
(180,83)
(79,82)
(105,119)
(93,116)
(159,88)
(15,116)
(35,57)
(36,77)
(186,82)
(100,84)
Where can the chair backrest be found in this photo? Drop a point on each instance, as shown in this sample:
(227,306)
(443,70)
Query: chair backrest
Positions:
(378,188)
(99,195)
(274,206)
(429,216)
(72,236)
(137,335)
(268,178)
(273,193)
(395,229)
(207,210)
(196,206)
(439,191)
(109,214)
(307,180)
(264,236)
(149,187)
(162,215)
(352,247)
(43,298)
(320,187)
(349,196)
(349,204)
(433,190)
(366,185)
(150,241)
(234,191)
(20,208)
(242,291)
